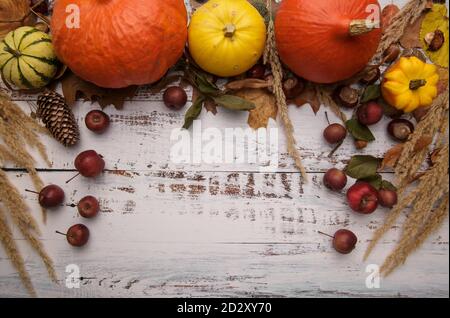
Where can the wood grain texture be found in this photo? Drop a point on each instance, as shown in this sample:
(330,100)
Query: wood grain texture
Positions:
(220,234)
(139,139)
(204,230)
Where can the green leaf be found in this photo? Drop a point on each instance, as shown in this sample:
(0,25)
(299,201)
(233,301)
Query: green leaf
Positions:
(388,186)
(193,112)
(358,131)
(361,167)
(375,181)
(233,102)
(204,85)
(371,92)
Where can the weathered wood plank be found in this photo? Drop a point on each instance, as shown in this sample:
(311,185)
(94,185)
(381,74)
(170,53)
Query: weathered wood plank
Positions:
(220,234)
(140,139)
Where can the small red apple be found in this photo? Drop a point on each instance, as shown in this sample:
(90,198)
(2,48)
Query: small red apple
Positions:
(387,198)
(88,207)
(344,241)
(362,198)
(97,121)
(370,113)
(89,163)
(335,179)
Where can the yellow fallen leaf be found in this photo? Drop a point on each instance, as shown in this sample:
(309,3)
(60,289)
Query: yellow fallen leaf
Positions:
(436,19)
(265,106)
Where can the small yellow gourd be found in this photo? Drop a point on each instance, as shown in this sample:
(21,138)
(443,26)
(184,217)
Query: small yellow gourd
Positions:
(409,84)
(226,37)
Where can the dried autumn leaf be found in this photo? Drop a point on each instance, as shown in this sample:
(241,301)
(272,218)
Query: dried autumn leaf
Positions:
(247,83)
(73,86)
(423,143)
(434,156)
(210,106)
(14,14)
(308,96)
(391,157)
(411,37)
(443,79)
(436,19)
(265,106)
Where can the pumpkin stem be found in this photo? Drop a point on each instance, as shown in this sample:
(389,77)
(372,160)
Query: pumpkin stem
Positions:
(360,27)
(416,84)
(15,53)
(229,30)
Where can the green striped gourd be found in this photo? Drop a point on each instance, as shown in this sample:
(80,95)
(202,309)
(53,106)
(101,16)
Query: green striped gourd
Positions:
(27,59)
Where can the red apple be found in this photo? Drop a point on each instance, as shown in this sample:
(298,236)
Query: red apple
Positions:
(89,164)
(88,207)
(370,113)
(387,198)
(344,241)
(362,198)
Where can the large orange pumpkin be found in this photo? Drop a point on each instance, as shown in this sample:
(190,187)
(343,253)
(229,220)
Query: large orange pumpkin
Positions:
(326,41)
(119,42)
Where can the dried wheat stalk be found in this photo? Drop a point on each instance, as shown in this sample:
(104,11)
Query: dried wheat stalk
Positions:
(428,199)
(17,131)
(271,56)
(404,19)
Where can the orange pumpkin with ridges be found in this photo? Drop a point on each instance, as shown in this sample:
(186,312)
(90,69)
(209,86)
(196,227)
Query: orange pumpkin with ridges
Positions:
(326,41)
(119,42)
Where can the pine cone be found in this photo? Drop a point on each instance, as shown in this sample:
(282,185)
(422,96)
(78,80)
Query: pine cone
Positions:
(58,118)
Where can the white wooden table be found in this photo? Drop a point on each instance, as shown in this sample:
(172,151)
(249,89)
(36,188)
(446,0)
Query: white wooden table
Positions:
(168,230)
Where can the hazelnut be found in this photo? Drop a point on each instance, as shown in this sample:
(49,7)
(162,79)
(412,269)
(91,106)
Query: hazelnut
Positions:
(361,144)
(346,96)
(435,40)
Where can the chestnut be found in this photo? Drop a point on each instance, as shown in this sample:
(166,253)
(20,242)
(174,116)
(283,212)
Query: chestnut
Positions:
(400,129)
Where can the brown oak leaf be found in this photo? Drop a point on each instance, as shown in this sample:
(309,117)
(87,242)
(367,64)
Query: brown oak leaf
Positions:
(265,106)
(308,96)
(74,87)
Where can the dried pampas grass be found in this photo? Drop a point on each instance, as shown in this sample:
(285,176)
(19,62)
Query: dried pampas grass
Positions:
(17,131)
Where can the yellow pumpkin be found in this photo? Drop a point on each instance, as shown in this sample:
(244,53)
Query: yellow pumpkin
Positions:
(227,37)
(410,84)
(27,59)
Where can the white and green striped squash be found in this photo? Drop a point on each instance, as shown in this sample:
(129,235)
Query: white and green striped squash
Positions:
(27,58)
